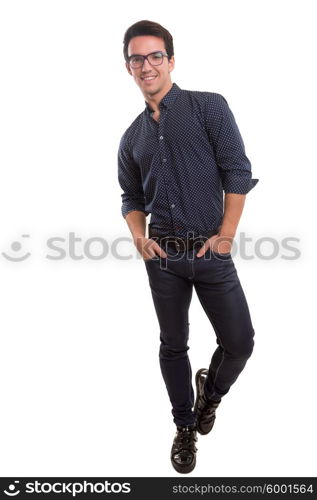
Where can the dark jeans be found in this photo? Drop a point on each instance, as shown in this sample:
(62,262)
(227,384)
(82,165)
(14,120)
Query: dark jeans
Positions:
(220,293)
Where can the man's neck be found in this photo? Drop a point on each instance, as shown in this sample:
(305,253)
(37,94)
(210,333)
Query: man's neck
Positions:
(154,101)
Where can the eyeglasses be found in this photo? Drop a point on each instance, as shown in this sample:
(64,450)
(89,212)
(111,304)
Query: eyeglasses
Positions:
(155,59)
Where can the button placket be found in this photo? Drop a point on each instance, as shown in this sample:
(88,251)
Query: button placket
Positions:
(162,153)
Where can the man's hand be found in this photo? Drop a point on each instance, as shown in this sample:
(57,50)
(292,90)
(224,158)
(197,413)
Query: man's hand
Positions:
(148,248)
(217,243)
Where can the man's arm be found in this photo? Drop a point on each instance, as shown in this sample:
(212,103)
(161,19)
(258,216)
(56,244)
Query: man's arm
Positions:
(133,201)
(233,207)
(147,247)
(234,168)
(136,221)
(232,161)
(129,179)
(222,242)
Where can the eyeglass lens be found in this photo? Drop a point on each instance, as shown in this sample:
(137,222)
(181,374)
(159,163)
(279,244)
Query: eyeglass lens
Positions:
(155,59)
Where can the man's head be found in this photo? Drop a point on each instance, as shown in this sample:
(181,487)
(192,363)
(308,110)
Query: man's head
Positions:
(147,38)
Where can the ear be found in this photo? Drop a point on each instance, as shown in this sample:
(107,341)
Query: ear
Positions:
(171,64)
(128,68)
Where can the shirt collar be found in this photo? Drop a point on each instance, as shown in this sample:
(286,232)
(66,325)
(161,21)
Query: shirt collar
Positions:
(168,99)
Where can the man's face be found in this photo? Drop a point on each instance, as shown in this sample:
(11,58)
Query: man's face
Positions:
(144,45)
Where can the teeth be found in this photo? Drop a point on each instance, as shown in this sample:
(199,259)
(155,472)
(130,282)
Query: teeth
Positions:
(149,78)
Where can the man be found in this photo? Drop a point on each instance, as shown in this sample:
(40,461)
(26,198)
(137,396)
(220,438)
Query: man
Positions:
(174,161)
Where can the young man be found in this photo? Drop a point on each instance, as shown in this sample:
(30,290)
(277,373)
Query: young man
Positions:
(174,161)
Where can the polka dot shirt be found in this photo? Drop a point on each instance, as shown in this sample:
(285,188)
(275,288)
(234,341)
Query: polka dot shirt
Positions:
(177,168)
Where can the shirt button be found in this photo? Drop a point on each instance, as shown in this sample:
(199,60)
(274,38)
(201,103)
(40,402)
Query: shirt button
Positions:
(164,160)
(161,137)
(172,205)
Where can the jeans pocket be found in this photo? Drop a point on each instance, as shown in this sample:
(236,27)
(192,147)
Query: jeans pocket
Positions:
(156,257)
(221,256)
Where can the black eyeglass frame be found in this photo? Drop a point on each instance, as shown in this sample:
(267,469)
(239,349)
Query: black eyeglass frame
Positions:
(146,57)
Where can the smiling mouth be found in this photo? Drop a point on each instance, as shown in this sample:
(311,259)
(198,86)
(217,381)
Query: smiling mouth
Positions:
(148,78)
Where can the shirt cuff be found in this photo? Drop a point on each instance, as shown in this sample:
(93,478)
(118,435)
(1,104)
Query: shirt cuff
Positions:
(237,184)
(130,207)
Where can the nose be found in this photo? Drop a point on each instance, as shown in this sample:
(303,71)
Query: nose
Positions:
(146,65)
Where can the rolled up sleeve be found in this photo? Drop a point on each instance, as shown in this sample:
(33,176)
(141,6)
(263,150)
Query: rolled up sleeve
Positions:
(234,166)
(129,179)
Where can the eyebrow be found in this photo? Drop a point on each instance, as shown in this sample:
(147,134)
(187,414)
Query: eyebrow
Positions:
(158,50)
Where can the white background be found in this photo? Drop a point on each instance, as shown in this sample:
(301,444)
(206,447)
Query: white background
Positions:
(81,388)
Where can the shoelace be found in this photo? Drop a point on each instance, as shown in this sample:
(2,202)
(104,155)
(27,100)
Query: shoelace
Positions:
(185,435)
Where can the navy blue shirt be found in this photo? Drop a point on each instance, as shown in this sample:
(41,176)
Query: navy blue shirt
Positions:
(177,168)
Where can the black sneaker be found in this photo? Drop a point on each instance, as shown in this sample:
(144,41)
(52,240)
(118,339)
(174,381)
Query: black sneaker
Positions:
(183,453)
(204,409)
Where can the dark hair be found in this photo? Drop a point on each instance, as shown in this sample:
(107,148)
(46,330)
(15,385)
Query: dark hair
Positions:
(145,27)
